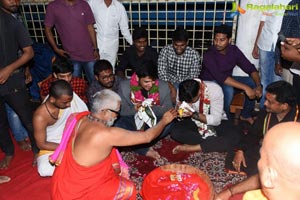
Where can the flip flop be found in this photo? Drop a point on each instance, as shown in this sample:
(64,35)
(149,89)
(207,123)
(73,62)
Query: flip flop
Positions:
(4,179)
(235,172)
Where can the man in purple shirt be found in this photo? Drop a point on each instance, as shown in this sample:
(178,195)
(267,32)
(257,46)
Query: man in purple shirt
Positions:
(218,64)
(73,20)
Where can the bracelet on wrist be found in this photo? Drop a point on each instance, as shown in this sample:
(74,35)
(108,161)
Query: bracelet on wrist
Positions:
(96,49)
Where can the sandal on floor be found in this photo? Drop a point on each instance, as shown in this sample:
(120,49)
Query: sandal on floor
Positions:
(235,172)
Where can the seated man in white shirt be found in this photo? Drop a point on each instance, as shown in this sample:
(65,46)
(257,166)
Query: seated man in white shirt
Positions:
(202,127)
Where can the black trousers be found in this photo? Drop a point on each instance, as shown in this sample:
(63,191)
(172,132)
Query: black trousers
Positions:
(228,135)
(296,86)
(19,101)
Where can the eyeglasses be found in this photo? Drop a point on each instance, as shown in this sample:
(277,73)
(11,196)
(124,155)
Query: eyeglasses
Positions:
(109,77)
(114,111)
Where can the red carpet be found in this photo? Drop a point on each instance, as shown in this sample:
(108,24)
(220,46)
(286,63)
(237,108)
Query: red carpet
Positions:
(26,184)
(211,163)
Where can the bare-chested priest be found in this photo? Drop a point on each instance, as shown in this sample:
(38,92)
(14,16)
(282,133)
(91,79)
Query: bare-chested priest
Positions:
(49,121)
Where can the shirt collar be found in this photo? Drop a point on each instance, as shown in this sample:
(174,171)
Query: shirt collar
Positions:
(229,47)
(65,3)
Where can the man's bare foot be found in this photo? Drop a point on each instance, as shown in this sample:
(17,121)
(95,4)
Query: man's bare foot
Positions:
(153,154)
(24,145)
(4,179)
(186,148)
(4,164)
(34,162)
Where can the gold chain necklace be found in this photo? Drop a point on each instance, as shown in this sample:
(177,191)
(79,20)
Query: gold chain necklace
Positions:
(268,117)
(55,118)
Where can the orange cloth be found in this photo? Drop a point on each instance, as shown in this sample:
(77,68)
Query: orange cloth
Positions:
(73,181)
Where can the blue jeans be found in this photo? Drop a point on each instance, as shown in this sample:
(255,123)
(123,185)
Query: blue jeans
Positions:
(267,72)
(15,124)
(229,92)
(88,69)
(127,122)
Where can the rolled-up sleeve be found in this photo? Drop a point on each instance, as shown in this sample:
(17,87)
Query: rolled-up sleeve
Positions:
(243,62)
(216,104)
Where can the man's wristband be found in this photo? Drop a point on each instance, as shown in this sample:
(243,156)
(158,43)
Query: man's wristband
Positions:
(195,116)
(96,49)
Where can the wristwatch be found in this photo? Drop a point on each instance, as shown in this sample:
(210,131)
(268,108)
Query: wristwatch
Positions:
(195,115)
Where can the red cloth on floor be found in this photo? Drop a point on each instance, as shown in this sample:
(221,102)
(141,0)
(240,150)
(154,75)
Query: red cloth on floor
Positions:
(175,184)
(25,182)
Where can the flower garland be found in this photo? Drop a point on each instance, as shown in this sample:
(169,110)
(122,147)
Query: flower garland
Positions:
(204,104)
(204,108)
(136,93)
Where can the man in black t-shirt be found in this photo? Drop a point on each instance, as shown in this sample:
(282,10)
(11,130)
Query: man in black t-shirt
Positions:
(135,55)
(13,37)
